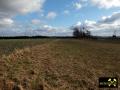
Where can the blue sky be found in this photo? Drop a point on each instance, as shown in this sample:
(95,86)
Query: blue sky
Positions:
(89,12)
(20,16)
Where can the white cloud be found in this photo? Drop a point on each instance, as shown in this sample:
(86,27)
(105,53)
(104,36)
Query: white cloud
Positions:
(48,27)
(88,22)
(115,17)
(105,26)
(11,8)
(36,21)
(78,23)
(66,12)
(5,22)
(80,4)
(49,30)
(51,15)
(106,3)
(77,5)
(20,6)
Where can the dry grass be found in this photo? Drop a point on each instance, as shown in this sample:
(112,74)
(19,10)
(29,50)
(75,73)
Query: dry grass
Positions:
(8,46)
(60,65)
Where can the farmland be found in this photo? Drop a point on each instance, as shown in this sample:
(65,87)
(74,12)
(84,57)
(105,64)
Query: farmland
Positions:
(57,64)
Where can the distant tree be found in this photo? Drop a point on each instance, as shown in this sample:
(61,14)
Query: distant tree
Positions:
(88,33)
(114,34)
(76,32)
(81,32)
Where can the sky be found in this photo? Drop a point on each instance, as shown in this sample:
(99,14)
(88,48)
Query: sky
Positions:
(56,17)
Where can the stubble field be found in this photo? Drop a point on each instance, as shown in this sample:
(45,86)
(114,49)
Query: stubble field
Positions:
(57,64)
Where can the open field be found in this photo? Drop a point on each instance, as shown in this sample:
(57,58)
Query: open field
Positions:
(9,45)
(57,64)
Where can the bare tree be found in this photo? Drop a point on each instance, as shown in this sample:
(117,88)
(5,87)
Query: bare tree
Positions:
(76,32)
(81,32)
(114,34)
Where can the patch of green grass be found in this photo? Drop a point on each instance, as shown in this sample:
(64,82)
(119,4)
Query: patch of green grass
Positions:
(8,46)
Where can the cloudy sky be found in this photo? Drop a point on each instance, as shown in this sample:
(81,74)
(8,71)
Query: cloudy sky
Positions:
(55,17)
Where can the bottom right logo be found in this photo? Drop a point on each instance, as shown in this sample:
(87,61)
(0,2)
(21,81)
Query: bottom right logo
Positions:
(108,82)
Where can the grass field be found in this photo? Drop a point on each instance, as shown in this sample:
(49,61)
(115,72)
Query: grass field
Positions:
(57,64)
(8,46)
